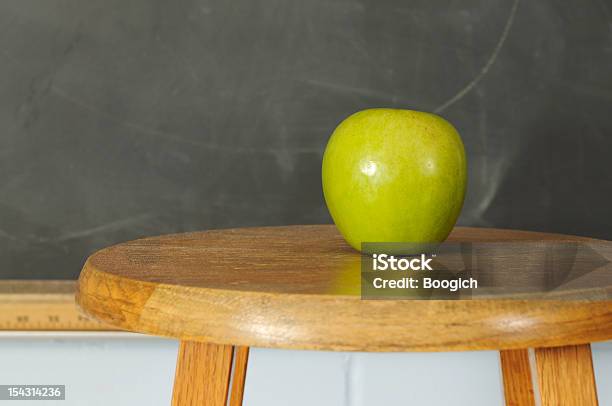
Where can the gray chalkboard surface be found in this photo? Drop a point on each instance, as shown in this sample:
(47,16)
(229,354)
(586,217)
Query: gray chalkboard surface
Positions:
(120,119)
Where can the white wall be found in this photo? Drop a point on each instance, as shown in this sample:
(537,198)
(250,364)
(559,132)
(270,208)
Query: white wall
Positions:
(121,369)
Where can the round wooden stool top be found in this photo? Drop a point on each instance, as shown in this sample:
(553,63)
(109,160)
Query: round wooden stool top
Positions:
(298,287)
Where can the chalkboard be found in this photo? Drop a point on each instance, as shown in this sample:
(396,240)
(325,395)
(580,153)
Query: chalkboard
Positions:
(122,119)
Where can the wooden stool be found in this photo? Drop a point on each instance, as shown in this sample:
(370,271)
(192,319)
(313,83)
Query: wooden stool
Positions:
(220,292)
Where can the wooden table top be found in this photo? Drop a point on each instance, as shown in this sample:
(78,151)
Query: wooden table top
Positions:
(299,287)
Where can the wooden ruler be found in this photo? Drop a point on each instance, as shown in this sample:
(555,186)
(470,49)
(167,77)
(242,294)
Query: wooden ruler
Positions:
(43,305)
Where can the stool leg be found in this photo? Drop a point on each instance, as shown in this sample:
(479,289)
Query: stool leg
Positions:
(203,374)
(565,376)
(518,383)
(241,359)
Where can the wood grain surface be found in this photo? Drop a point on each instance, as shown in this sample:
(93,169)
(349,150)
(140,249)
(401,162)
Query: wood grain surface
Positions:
(43,305)
(298,287)
(565,376)
(202,374)
(518,383)
(241,359)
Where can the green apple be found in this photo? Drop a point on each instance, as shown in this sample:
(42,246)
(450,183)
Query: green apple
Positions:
(393,175)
